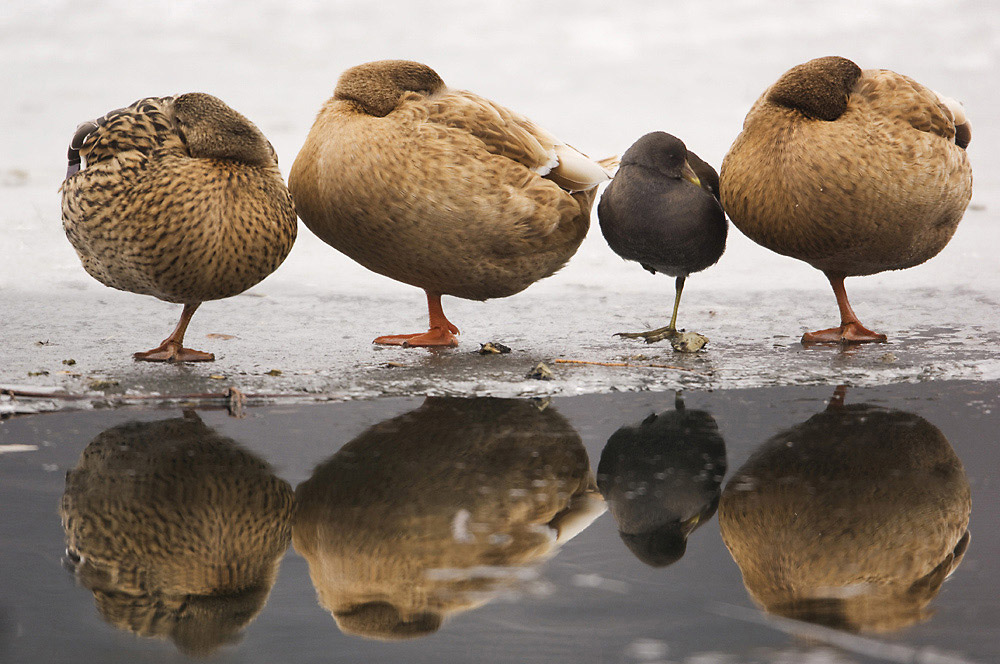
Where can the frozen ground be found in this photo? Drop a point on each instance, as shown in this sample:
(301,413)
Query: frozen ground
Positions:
(595,73)
(598,74)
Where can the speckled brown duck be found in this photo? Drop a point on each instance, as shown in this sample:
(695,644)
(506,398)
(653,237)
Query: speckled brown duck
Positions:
(852,171)
(179,198)
(437,511)
(440,188)
(852,519)
(662,210)
(177,531)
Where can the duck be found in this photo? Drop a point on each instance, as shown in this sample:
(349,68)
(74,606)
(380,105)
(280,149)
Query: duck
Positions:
(852,519)
(437,511)
(441,189)
(853,171)
(662,210)
(177,530)
(180,198)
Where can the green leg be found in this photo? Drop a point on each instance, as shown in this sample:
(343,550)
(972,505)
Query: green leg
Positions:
(659,334)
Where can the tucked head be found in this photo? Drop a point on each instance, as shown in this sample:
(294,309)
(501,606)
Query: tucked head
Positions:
(660,152)
(819,88)
(382,620)
(660,547)
(378,86)
(213,130)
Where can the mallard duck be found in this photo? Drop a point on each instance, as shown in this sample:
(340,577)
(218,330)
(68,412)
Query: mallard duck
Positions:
(179,198)
(852,171)
(437,511)
(440,188)
(852,519)
(662,210)
(662,479)
(176,530)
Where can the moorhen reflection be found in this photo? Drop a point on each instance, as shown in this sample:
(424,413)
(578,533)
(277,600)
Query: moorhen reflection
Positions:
(852,519)
(662,479)
(438,510)
(176,530)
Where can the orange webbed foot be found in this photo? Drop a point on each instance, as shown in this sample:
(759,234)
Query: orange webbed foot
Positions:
(171,351)
(848,333)
(434,337)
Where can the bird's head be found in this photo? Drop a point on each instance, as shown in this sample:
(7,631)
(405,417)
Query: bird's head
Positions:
(378,86)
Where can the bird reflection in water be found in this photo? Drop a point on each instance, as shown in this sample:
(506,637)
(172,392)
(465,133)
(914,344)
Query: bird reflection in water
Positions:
(852,519)
(176,530)
(662,479)
(439,510)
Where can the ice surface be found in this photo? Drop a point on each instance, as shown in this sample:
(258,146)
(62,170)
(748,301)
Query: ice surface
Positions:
(597,75)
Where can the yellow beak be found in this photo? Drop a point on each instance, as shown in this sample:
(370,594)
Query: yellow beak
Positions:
(688,174)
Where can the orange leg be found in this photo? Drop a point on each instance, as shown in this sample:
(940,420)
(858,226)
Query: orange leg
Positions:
(837,400)
(851,331)
(441,331)
(172,349)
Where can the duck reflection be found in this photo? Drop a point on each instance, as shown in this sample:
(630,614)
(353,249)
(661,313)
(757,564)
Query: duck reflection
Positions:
(176,530)
(852,519)
(662,479)
(438,510)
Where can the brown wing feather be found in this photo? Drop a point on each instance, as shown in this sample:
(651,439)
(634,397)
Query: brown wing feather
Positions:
(532,204)
(901,97)
(501,130)
(508,134)
(139,129)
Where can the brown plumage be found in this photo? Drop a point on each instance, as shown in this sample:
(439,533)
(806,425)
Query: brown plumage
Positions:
(176,530)
(440,189)
(852,519)
(437,510)
(852,171)
(179,198)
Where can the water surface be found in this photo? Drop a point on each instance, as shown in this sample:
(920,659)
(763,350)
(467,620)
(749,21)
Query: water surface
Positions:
(444,530)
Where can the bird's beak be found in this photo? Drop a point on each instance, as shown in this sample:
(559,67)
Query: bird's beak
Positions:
(688,174)
(689,525)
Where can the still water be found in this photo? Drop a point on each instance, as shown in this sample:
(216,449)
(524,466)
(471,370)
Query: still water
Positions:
(768,525)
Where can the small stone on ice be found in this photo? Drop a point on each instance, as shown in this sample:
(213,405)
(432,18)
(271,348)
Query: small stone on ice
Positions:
(493,348)
(101,384)
(541,372)
(688,342)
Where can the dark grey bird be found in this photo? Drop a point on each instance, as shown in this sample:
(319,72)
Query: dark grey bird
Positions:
(662,210)
(662,479)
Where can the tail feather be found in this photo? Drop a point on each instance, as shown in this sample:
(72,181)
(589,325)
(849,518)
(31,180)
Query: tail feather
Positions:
(576,171)
(83,131)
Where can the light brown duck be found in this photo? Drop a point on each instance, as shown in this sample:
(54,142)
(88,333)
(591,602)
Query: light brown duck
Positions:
(852,171)
(179,198)
(441,189)
(437,511)
(852,519)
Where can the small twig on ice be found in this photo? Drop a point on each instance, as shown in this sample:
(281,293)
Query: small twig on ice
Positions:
(626,364)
